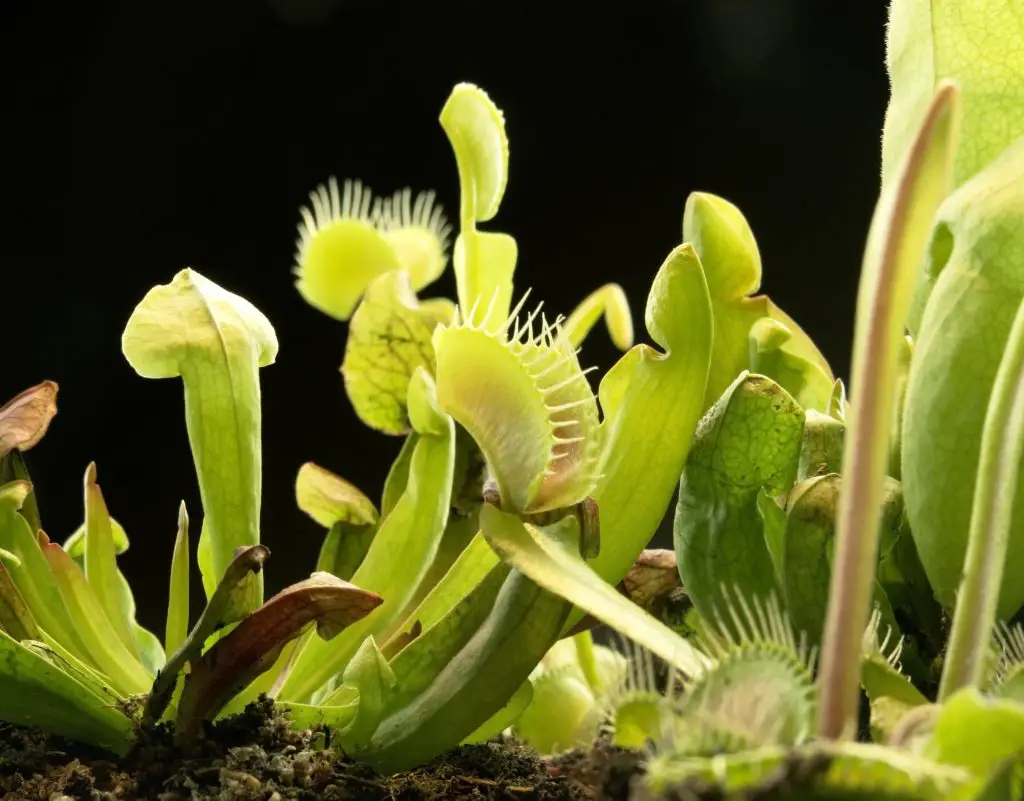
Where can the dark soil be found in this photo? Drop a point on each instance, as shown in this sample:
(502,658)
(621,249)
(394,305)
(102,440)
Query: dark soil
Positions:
(256,756)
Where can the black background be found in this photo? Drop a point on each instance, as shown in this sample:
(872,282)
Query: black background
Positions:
(149,136)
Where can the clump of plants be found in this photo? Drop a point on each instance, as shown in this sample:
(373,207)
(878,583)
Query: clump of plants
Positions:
(826,549)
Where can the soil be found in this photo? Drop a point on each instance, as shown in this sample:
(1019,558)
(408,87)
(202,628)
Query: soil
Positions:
(256,756)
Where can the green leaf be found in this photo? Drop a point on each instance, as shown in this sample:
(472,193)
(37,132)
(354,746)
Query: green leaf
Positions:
(975,44)
(651,401)
(388,339)
(999,485)
(484,263)
(556,564)
(803,379)
(35,692)
(749,440)
(216,341)
(504,717)
(412,530)
(472,683)
(105,648)
(177,600)
(398,475)
(75,544)
(254,645)
(476,130)
(610,301)
(349,516)
(977,733)
(821,451)
(369,674)
(330,499)
(101,562)
(720,235)
(15,617)
(33,577)
(13,468)
(978,287)
(809,546)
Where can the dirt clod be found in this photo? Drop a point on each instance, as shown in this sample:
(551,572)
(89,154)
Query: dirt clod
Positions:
(257,756)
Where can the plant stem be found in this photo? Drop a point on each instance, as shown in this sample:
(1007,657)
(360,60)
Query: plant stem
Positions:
(587,659)
(896,245)
(1002,449)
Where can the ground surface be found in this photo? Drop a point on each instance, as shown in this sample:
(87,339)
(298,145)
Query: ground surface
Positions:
(256,757)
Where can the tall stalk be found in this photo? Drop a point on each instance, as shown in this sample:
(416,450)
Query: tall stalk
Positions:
(895,249)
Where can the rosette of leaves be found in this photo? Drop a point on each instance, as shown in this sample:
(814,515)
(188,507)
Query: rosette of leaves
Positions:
(73,659)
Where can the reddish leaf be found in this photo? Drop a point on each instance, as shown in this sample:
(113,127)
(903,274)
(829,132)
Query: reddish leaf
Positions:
(25,418)
(254,645)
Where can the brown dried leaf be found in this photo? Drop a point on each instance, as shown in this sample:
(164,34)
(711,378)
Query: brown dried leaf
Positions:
(255,644)
(25,417)
(652,577)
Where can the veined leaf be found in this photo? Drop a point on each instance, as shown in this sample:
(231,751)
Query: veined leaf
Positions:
(975,44)
(15,617)
(749,440)
(388,340)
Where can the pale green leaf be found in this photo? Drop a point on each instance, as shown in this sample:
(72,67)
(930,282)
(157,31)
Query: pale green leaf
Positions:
(330,499)
(978,287)
(476,130)
(651,401)
(556,564)
(980,45)
(611,301)
(216,341)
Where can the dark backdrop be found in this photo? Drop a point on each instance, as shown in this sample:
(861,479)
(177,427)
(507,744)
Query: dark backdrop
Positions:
(154,135)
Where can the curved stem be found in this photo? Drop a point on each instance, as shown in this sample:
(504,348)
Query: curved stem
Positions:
(896,244)
(995,488)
